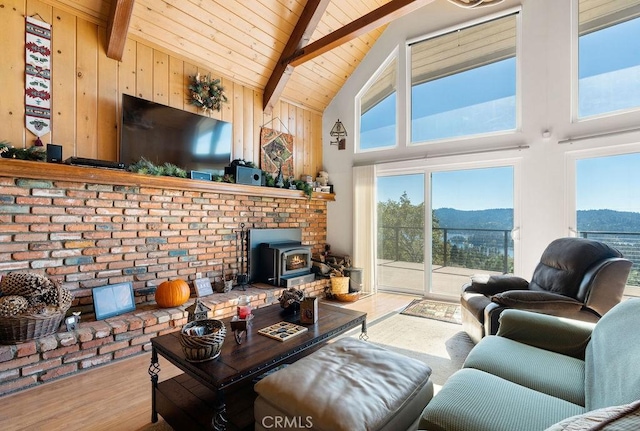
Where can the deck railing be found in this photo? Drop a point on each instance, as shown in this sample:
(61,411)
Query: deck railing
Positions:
(452,245)
(488,249)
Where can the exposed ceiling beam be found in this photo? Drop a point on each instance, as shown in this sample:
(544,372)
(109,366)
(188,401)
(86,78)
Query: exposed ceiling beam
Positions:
(306,25)
(374,19)
(118,26)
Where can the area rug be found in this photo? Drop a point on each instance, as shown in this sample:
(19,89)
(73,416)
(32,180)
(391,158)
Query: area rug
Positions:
(441,345)
(437,310)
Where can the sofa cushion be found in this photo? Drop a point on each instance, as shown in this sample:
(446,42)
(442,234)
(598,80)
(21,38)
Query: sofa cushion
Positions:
(348,385)
(474,400)
(547,372)
(612,372)
(615,418)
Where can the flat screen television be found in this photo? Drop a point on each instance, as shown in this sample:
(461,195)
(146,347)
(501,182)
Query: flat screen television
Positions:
(162,134)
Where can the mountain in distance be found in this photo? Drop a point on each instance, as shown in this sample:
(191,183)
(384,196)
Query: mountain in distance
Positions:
(495,218)
(502,219)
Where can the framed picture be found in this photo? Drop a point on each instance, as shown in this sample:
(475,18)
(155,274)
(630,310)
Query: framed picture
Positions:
(113,299)
(203,287)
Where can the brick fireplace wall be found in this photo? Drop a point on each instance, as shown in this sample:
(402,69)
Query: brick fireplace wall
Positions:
(90,229)
(90,235)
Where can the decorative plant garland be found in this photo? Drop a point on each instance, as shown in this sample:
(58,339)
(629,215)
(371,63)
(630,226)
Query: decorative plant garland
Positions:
(7,151)
(206,93)
(144,166)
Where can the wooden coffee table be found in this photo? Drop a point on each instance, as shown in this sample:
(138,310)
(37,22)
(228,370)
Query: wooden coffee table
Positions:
(220,391)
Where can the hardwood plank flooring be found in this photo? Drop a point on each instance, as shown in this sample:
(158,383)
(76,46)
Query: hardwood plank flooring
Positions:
(117,397)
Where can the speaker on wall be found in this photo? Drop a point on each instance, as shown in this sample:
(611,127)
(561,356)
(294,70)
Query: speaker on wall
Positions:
(54,153)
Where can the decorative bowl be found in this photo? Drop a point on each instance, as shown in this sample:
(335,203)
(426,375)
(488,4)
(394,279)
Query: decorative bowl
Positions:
(202,339)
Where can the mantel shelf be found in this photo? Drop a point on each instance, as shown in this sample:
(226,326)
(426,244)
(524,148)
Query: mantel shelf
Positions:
(62,172)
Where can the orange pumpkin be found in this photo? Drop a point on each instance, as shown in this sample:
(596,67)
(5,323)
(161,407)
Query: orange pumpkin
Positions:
(172,293)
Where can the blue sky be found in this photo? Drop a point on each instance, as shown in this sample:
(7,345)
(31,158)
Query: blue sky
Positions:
(608,67)
(609,183)
(470,189)
(601,183)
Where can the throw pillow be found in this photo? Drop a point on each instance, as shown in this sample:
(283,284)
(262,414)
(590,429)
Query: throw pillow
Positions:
(616,418)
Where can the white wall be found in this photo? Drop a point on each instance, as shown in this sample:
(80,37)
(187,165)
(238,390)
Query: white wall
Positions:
(545,60)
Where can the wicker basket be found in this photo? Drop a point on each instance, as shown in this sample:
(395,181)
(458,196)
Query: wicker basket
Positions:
(202,339)
(18,329)
(339,285)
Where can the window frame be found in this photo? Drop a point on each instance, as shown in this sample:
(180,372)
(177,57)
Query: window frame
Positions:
(517,12)
(393,55)
(601,150)
(575,70)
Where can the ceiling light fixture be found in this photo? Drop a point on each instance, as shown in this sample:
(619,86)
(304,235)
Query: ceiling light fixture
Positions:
(470,4)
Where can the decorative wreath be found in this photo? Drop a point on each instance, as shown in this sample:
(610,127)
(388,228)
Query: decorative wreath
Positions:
(206,93)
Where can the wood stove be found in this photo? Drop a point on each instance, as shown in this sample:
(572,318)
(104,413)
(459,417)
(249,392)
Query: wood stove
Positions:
(285,263)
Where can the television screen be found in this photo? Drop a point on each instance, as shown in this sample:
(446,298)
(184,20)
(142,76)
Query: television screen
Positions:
(162,134)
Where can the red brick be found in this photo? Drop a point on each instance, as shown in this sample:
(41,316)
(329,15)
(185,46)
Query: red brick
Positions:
(98,360)
(101,329)
(128,335)
(156,328)
(9,375)
(19,362)
(134,323)
(109,348)
(84,334)
(7,353)
(96,343)
(16,385)
(148,318)
(130,351)
(67,338)
(83,194)
(142,339)
(79,244)
(68,202)
(26,349)
(58,372)
(60,352)
(80,355)
(41,366)
(168,331)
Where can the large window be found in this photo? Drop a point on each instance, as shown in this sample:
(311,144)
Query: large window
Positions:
(608,204)
(377,105)
(464,82)
(608,56)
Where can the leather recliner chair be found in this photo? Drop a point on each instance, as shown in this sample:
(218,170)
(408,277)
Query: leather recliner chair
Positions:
(576,278)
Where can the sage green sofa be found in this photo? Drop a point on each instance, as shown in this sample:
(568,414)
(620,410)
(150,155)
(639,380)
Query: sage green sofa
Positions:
(542,372)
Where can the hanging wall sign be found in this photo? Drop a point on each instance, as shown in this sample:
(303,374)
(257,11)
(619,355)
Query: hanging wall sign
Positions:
(277,152)
(38,77)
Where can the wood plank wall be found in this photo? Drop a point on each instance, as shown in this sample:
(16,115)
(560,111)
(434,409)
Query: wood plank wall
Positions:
(87,88)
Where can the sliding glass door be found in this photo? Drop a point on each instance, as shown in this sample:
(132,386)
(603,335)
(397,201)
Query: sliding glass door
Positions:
(401,227)
(471,226)
(433,246)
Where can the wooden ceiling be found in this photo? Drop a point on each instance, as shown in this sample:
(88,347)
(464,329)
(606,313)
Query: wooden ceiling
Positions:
(244,40)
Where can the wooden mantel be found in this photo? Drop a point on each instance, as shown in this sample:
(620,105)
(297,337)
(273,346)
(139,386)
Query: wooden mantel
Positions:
(62,172)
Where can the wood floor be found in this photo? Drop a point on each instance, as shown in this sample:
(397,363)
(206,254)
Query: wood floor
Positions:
(117,397)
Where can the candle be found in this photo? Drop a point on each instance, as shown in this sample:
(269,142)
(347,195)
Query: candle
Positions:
(244,311)
(244,307)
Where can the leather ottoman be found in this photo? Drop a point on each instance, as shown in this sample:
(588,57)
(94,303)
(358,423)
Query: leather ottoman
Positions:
(348,385)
